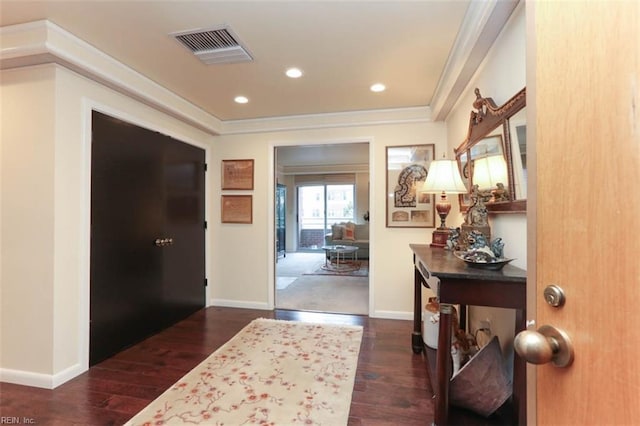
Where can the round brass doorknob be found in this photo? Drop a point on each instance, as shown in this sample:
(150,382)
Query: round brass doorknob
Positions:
(533,347)
(548,344)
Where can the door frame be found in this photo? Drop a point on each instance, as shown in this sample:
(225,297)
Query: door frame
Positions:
(271,187)
(89,105)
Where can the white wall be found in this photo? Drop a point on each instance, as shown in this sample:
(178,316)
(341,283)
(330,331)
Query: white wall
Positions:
(242,273)
(27,311)
(45,175)
(501,76)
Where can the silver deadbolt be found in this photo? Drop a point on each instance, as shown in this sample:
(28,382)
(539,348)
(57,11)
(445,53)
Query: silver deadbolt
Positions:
(554,295)
(548,344)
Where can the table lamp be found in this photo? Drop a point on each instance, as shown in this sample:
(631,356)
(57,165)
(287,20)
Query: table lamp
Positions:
(490,174)
(443,178)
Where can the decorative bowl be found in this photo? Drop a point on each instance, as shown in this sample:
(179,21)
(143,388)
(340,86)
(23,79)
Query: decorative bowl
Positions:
(481,259)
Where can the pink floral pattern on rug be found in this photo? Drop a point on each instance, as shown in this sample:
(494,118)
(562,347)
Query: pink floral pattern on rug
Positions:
(272,372)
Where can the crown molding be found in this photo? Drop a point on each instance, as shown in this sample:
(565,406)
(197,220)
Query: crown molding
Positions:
(328,120)
(482,23)
(324,169)
(41,42)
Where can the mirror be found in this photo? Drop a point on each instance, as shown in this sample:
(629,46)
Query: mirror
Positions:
(518,134)
(494,155)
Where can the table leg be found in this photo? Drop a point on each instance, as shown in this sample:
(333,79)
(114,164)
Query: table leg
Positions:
(416,335)
(443,365)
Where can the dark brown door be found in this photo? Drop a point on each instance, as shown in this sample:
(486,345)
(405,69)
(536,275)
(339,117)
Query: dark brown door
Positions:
(145,187)
(183,260)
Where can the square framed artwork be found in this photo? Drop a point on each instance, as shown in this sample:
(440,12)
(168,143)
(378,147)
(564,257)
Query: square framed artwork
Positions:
(237,174)
(408,206)
(237,209)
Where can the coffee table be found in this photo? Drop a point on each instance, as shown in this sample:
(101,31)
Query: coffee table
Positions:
(340,258)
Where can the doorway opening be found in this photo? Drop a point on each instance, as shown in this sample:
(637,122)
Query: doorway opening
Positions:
(317,187)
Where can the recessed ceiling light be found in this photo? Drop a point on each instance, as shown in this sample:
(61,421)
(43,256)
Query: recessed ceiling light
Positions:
(241,99)
(378,87)
(294,73)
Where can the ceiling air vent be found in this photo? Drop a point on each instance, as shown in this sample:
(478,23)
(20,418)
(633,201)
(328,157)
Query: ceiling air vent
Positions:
(214,46)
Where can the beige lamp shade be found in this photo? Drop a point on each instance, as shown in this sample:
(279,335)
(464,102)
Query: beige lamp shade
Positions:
(489,171)
(444,176)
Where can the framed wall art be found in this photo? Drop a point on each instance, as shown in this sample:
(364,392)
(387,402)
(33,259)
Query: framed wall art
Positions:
(407,205)
(237,174)
(237,209)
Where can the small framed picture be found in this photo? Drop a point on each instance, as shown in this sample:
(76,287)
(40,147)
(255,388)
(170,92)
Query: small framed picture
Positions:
(237,209)
(408,206)
(237,174)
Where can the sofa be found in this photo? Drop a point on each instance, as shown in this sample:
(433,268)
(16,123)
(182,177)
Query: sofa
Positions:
(350,234)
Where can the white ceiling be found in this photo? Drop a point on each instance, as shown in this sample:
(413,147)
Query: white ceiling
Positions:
(342,47)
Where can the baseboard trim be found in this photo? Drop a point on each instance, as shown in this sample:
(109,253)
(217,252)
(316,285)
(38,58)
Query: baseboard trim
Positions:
(396,315)
(68,374)
(40,380)
(240,304)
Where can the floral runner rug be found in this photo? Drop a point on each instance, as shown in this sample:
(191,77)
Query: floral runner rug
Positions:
(271,372)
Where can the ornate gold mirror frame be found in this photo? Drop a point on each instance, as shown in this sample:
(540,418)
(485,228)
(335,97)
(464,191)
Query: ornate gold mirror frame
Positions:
(496,132)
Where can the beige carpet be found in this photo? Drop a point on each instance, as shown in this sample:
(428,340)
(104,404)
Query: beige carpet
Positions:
(271,372)
(297,288)
(336,294)
(296,264)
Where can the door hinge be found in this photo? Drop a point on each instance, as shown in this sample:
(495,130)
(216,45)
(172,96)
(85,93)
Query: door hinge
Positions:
(205,167)
(206,282)
(205,224)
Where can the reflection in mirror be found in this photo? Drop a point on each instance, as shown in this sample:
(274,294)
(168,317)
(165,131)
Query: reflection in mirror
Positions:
(491,145)
(518,132)
(490,175)
(489,168)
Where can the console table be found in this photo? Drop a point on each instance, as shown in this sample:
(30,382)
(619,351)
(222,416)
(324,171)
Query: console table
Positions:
(463,285)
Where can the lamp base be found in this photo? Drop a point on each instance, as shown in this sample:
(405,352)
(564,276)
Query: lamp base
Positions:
(439,237)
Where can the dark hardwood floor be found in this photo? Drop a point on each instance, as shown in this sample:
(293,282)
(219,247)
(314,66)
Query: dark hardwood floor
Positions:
(391,384)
